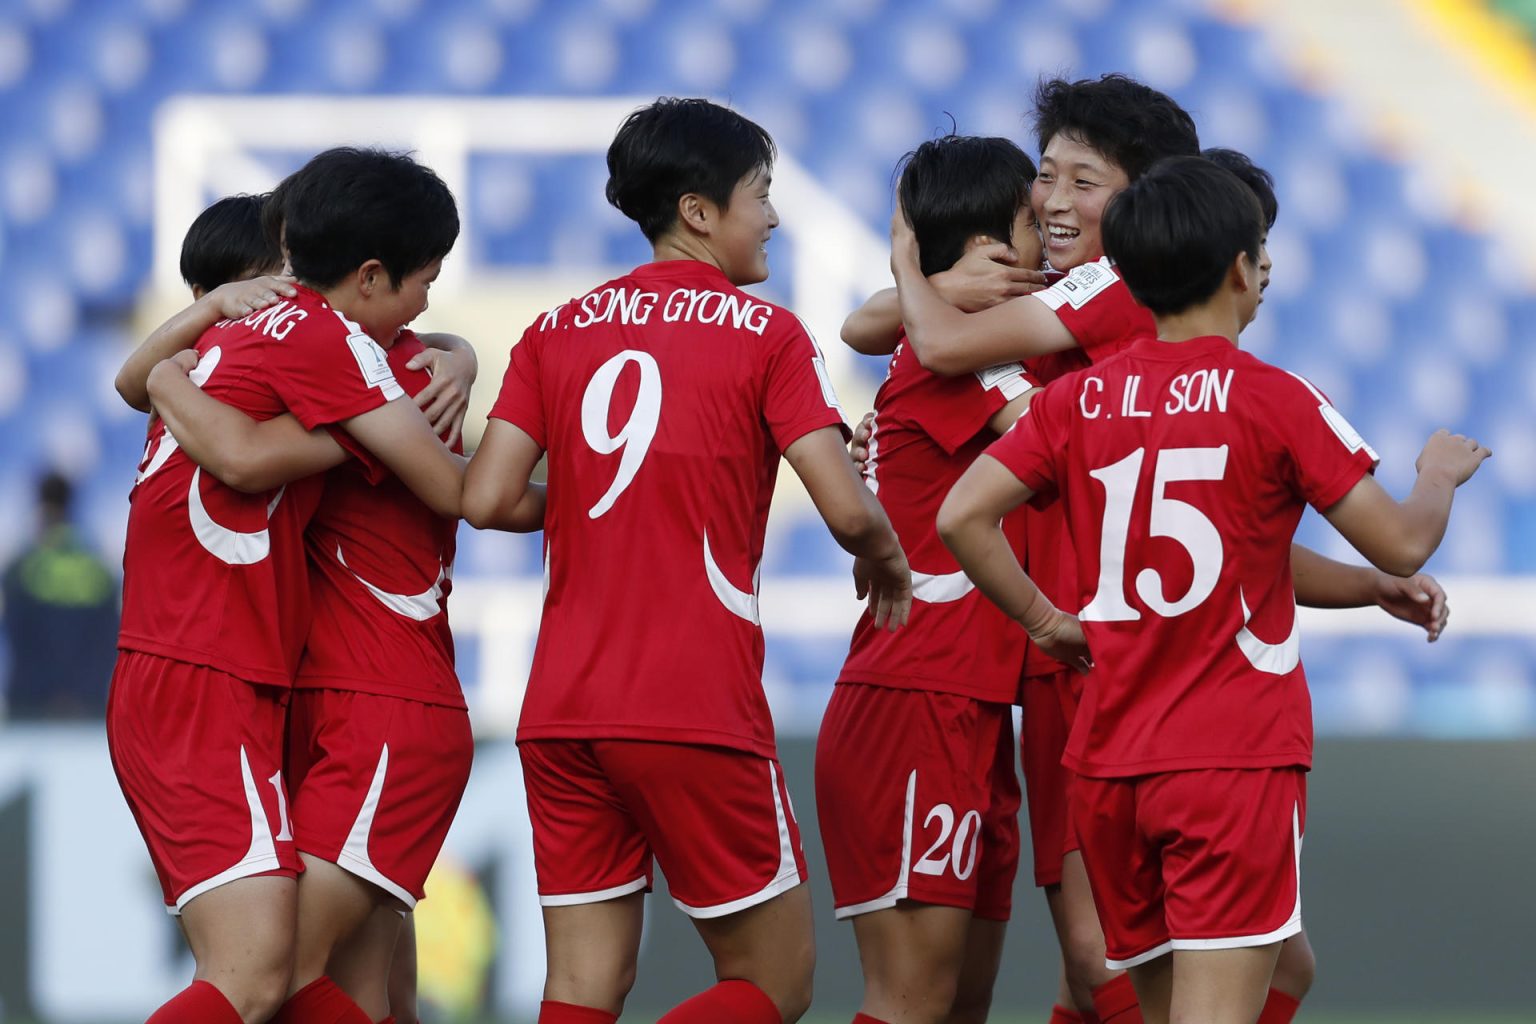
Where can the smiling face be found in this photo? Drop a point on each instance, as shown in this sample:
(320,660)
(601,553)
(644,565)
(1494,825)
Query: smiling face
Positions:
(739,233)
(1074,185)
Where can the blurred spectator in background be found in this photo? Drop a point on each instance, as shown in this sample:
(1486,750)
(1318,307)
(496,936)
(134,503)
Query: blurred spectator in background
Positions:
(60,614)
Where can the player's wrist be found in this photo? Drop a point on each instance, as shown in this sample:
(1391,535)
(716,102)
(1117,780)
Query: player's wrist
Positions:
(1039,617)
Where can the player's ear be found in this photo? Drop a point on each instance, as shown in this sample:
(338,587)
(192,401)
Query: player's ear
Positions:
(370,277)
(693,213)
(1243,273)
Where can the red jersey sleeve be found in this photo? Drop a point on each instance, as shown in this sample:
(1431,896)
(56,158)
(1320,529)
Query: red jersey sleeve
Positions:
(1030,447)
(952,424)
(797,393)
(335,372)
(521,400)
(1095,305)
(372,468)
(1328,455)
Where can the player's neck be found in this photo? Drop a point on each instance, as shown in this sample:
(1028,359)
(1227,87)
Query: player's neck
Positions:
(1209,319)
(673,246)
(349,302)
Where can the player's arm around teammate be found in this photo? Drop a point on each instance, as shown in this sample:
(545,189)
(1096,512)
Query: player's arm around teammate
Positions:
(993,272)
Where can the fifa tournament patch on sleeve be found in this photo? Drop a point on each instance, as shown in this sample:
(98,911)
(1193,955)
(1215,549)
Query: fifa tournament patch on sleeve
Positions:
(1080,285)
(1007,378)
(1342,428)
(1346,431)
(374,365)
(828,393)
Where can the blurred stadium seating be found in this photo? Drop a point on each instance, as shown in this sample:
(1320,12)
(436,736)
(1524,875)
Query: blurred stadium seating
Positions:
(1379,296)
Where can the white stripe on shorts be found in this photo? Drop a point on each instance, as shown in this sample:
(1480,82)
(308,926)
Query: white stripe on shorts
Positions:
(787,878)
(898,891)
(261,857)
(354,853)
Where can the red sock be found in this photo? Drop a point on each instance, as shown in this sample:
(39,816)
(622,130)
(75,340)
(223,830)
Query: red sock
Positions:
(1115,1001)
(320,1002)
(1061,1015)
(551,1012)
(864,1018)
(1279,1008)
(198,1003)
(729,1002)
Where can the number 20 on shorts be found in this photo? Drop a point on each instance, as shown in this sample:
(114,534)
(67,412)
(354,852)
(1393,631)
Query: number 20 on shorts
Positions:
(956,846)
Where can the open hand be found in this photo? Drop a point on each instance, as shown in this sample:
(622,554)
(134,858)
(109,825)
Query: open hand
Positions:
(239,299)
(446,399)
(986,276)
(858,448)
(887,584)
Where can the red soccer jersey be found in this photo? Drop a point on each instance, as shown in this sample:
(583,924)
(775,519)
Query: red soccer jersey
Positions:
(1095,305)
(1184,469)
(215,577)
(927,430)
(664,399)
(381,569)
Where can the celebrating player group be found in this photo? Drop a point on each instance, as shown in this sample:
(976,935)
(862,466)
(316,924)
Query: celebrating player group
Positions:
(1076,497)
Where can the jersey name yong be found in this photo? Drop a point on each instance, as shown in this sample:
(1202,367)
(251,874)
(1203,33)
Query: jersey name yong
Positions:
(1184,469)
(381,570)
(664,399)
(215,577)
(928,429)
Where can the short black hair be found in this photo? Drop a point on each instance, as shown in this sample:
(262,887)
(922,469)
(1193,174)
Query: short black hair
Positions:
(227,243)
(1174,232)
(348,206)
(958,186)
(1251,174)
(675,146)
(1130,124)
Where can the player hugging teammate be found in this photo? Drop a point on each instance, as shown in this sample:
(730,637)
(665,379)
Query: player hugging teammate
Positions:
(285,719)
(1095,137)
(286,723)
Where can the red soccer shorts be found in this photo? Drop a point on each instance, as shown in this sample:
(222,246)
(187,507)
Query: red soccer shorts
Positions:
(376,781)
(718,820)
(199,756)
(1207,859)
(918,800)
(1049,705)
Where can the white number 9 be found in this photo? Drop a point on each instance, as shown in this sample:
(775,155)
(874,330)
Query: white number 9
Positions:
(636,435)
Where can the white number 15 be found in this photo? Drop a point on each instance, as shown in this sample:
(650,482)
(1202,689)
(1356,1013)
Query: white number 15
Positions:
(1179,521)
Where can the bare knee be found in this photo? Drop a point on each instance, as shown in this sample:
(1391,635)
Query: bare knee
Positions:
(598,982)
(1082,957)
(787,980)
(257,994)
